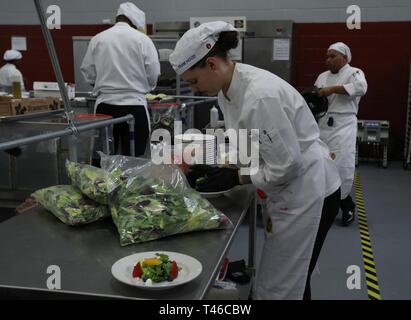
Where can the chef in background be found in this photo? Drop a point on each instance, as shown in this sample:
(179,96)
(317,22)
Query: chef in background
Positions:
(343,85)
(122,64)
(9,71)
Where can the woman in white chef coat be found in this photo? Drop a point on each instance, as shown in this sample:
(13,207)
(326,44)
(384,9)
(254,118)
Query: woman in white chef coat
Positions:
(343,86)
(9,72)
(122,64)
(295,171)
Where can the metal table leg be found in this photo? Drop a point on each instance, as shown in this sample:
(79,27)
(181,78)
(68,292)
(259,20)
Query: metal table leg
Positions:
(252,234)
(73,148)
(104,134)
(132,137)
(385,156)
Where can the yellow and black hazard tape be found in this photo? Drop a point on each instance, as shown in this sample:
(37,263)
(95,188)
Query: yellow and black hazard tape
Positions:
(368,257)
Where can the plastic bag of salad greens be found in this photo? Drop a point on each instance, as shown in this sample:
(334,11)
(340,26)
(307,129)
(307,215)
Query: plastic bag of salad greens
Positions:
(156,201)
(95,183)
(69,205)
(129,167)
(112,163)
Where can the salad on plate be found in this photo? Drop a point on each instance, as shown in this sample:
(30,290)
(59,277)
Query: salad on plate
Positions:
(156,269)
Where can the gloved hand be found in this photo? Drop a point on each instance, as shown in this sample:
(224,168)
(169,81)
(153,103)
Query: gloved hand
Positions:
(196,172)
(216,179)
(15,152)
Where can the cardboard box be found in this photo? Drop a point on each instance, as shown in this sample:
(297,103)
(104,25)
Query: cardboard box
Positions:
(5,107)
(13,107)
(6,98)
(32,105)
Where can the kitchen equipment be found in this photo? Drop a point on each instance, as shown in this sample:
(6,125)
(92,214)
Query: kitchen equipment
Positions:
(51,89)
(267,45)
(372,136)
(42,164)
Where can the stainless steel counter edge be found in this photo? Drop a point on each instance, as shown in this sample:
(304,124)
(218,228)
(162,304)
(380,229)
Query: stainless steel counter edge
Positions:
(218,266)
(77,293)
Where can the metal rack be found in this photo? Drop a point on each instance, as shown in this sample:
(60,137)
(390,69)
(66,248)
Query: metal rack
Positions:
(45,144)
(168,82)
(407,143)
(178,107)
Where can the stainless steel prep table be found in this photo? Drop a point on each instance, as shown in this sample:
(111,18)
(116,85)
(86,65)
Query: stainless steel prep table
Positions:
(32,241)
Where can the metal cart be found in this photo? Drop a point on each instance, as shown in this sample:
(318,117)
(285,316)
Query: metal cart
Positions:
(44,142)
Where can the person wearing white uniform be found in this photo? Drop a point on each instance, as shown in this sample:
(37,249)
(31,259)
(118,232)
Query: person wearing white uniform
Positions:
(9,72)
(122,63)
(295,170)
(343,85)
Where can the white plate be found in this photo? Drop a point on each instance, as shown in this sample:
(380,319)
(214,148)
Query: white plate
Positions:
(215,194)
(194,137)
(190,269)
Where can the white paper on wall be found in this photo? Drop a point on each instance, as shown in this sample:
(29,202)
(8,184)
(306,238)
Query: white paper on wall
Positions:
(19,43)
(281,49)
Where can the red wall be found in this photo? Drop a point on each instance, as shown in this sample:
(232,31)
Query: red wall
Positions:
(382,50)
(36,64)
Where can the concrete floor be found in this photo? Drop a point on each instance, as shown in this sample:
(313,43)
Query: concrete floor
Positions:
(386,194)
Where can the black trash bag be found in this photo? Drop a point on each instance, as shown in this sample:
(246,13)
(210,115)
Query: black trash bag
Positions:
(318,105)
(237,272)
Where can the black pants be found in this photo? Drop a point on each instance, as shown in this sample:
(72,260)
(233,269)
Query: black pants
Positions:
(330,210)
(141,128)
(347,204)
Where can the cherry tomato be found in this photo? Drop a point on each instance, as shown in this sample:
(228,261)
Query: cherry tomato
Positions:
(173,270)
(137,271)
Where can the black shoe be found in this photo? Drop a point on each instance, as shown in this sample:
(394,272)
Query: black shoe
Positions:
(348,217)
(237,272)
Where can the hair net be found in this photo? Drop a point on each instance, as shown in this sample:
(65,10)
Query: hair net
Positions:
(10,55)
(196,43)
(136,16)
(342,48)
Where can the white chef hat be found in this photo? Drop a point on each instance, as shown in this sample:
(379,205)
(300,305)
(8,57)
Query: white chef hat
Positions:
(342,48)
(10,55)
(136,16)
(196,43)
